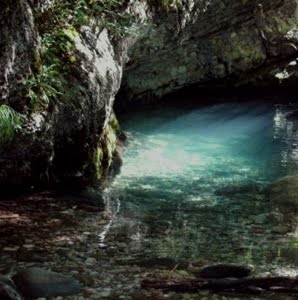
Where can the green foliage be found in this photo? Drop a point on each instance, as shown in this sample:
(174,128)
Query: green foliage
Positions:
(58,27)
(56,24)
(171,3)
(42,87)
(76,13)
(57,54)
(10,121)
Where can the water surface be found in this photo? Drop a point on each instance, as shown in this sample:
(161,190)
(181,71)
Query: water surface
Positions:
(174,197)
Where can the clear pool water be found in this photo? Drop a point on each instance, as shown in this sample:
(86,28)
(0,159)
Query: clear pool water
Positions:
(177,192)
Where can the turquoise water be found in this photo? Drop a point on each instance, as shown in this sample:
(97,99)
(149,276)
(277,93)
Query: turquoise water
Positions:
(175,196)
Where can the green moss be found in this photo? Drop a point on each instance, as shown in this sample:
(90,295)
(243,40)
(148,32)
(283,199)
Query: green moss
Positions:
(71,32)
(283,25)
(102,156)
(96,163)
(114,124)
(37,67)
(110,144)
(171,3)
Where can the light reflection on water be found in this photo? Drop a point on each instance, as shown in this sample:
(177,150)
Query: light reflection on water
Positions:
(285,131)
(175,164)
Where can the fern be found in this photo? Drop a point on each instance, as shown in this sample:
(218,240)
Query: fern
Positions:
(10,121)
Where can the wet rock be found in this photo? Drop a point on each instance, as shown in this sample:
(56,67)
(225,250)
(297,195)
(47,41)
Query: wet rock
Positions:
(237,189)
(90,261)
(260,219)
(8,290)
(284,192)
(105,293)
(92,196)
(258,229)
(225,270)
(37,282)
(281,229)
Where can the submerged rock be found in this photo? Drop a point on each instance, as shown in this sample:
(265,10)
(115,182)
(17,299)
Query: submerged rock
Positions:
(225,270)
(284,192)
(8,290)
(37,282)
(237,189)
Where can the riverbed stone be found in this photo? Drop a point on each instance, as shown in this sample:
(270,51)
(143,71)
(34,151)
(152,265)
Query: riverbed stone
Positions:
(281,229)
(237,189)
(38,282)
(284,192)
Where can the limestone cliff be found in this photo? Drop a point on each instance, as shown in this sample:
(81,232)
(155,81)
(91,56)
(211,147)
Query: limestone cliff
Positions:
(212,43)
(65,94)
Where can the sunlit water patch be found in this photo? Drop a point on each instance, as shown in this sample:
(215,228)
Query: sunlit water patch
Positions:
(193,186)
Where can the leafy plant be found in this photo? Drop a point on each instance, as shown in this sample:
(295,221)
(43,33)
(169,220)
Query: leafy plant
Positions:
(173,3)
(10,121)
(43,87)
(56,56)
(76,13)
(53,63)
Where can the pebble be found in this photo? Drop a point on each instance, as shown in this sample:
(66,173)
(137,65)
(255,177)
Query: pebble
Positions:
(11,249)
(89,292)
(105,293)
(28,246)
(90,261)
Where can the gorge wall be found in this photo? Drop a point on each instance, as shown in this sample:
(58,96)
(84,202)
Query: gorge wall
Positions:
(65,100)
(212,43)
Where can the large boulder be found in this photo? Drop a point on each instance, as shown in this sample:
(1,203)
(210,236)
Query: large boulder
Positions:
(68,134)
(8,290)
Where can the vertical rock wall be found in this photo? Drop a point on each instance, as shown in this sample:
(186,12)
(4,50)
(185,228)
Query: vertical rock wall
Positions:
(72,138)
(214,42)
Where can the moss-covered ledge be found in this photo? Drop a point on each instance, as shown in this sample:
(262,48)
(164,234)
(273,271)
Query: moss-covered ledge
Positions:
(105,155)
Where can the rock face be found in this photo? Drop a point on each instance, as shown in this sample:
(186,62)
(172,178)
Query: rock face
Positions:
(212,43)
(71,138)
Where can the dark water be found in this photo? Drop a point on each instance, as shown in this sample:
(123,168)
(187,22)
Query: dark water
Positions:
(175,196)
